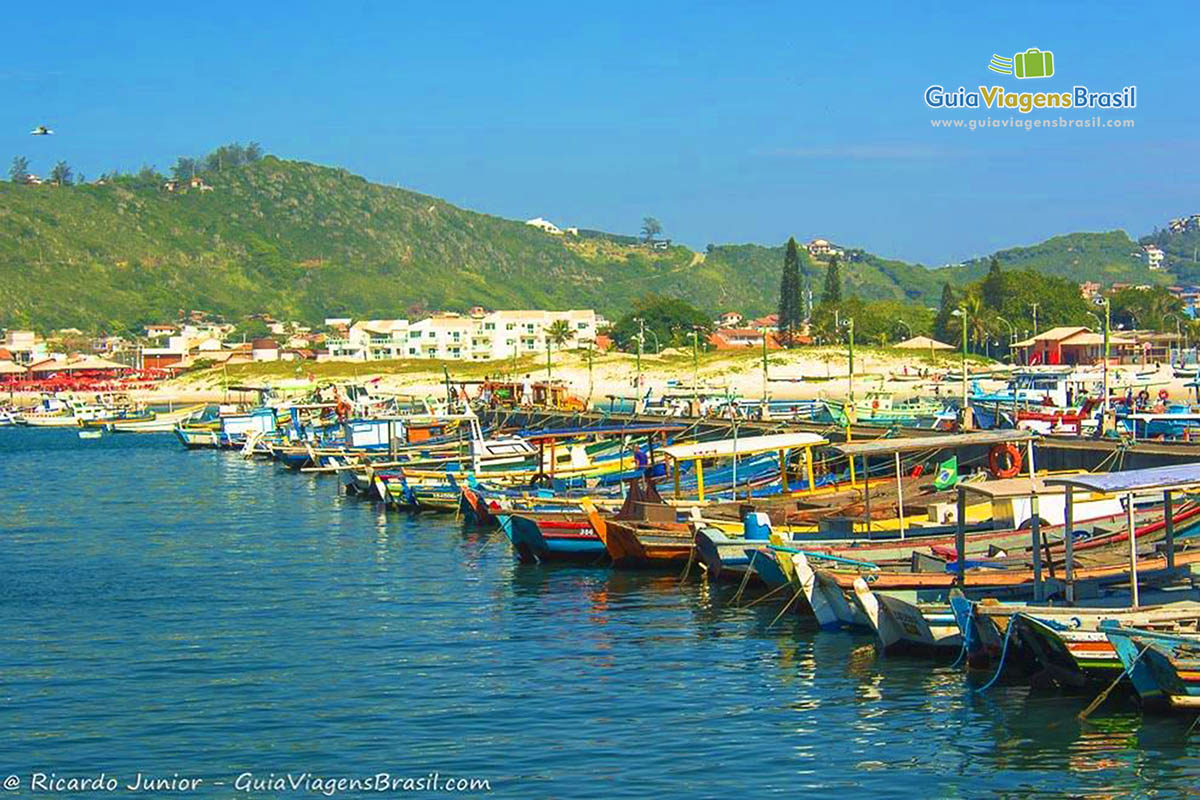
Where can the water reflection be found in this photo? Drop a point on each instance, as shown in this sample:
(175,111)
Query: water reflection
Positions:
(206,608)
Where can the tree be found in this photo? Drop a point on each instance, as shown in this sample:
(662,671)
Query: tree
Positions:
(1145,308)
(832,295)
(666,320)
(254,151)
(942,323)
(184,168)
(994,285)
(61,174)
(651,227)
(559,332)
(791,314)
(19,169)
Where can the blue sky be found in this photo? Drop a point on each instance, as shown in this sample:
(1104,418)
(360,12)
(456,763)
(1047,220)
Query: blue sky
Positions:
(739,122)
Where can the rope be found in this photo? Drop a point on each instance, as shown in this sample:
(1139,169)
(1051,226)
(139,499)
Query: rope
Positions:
(745,579)
(1003,655)
(795,596)
(691,558)
(966,637)
(758,600)
(1100,698)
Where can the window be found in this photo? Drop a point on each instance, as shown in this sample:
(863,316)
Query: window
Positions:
(581,326)
(510,326)
(489,326)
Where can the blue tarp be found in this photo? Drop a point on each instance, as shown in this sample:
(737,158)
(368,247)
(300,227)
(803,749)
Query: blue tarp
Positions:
(1133,480)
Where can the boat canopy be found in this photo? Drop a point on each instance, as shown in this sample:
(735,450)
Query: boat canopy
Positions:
(742,446)
(1008,488)
(879,447)
(1175,476)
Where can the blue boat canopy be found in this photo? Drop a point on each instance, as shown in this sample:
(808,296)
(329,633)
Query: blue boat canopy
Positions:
(1175,476)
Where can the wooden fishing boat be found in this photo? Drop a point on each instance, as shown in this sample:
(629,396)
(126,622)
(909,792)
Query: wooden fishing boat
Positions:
(556,537)
(1161,664)
(902,626)
(158,421)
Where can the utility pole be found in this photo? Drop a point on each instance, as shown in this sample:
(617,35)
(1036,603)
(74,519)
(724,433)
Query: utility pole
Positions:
(850,332)
(1107,325)
(637,392)
(1035,305)
(549,347)
(696,367)
(591,354)
(765,401)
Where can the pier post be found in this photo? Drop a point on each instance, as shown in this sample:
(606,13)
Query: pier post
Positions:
(900,495)
(1133,577)
(1169,527)
(866,489)
(960,537)
(1035,527)
(1069,541)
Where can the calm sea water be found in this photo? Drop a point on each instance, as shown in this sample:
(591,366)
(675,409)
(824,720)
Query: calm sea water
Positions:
(167,612)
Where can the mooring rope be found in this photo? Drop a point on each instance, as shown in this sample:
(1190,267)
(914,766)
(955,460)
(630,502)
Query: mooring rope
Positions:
(1003,655)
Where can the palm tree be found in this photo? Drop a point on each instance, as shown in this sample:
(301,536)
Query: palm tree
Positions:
(560,332)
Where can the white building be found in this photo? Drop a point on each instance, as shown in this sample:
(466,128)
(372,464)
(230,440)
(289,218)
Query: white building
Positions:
(821,247)
(1154,256)
(370,340)
(24,346)
(544,225)
(453,337)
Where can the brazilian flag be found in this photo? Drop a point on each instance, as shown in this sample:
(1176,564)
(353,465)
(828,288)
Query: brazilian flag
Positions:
(947,474)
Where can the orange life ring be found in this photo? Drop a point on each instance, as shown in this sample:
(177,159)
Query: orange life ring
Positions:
(1162,394)
(1008,454)
(875,404)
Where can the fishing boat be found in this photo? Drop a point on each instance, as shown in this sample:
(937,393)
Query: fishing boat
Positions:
(1161,664)
(901,626)
(881,407)
(157,421)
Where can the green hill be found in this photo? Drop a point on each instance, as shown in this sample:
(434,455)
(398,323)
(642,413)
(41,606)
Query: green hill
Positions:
(1104,257)
(303,241)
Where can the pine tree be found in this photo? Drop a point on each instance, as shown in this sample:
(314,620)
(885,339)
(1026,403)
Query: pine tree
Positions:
(833,283)
(993,285)
(791,314)
(941,324)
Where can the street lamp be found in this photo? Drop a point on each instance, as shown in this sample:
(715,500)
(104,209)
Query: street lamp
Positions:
(961,313)
(1012,335)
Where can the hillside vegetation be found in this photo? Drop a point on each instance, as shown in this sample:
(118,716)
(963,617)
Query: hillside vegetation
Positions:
(304,241)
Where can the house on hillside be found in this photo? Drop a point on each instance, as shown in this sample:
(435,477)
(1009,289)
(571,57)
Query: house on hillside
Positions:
(544,225)
(823,249)
(730,319)
(196,182)
(1154,256)
(157,331)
